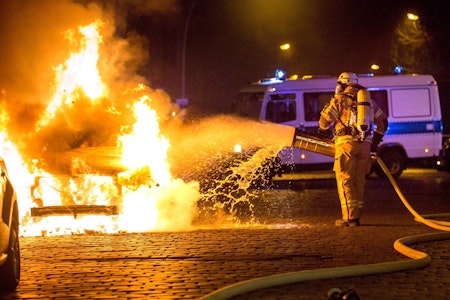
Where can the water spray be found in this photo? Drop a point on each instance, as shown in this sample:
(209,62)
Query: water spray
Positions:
(311,142)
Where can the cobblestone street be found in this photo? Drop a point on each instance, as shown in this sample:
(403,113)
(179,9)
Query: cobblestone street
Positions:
(296,232)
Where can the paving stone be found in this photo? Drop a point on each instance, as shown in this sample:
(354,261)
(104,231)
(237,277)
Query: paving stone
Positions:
(189,265)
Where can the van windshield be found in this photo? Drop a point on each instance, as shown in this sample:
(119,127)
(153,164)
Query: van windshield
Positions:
(248,105)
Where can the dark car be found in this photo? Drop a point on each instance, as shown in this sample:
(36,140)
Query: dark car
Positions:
(9,233)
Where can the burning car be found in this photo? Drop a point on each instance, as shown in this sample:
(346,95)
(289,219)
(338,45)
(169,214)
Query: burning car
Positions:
(9,233)
(102,151)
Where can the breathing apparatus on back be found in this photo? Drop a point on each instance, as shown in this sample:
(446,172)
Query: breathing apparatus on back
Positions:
(361,117)
(364,114)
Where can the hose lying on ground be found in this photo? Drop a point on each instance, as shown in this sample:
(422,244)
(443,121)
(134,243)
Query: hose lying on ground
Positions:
(418,259)
(441,225)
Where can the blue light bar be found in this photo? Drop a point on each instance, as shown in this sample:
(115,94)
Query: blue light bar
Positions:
(398,70)
(280,74)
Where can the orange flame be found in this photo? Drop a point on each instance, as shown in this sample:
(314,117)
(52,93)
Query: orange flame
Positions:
(146,194)
(146,147)
(155,201)
(79,71)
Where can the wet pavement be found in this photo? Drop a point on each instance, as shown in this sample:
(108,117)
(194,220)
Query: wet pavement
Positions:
(293,230)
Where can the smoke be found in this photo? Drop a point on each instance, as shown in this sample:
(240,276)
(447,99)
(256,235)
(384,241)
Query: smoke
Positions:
(32,35)
(136,8)
(36,40)
(35,35)
(32,41)
(63,130)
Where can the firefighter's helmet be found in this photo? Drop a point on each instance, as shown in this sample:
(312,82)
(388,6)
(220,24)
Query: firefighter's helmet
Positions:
(347,77)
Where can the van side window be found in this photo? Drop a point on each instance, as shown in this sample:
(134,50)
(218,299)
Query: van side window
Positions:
(248,105)
(381,100)
(281,108)
(314,103)
(411,103)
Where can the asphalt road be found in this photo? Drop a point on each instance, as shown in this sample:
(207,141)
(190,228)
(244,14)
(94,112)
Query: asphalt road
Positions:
(292,229)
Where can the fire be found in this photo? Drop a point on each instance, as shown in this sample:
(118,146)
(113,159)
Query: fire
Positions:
(79,71)
(142,195)
(96,157)
(146,147)
(17,171)
(155,198)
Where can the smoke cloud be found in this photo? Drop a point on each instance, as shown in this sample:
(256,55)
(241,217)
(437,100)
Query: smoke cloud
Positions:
(36,32)
(57,125)
(34,37)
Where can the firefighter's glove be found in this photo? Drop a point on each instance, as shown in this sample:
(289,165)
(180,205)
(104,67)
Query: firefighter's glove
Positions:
(377,137)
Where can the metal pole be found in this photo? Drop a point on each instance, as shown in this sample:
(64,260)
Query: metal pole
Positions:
(183,58)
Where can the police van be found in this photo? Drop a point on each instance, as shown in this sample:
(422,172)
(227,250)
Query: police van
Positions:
(411,103)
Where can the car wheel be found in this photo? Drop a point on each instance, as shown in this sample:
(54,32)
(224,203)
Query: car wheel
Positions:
(10,270)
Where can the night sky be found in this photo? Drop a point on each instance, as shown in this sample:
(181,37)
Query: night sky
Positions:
(230,43)
(233,42)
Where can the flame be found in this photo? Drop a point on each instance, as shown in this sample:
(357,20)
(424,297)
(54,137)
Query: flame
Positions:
(94,87)
(146,147)
(146,194)
(154,200)
(17,171)
(79,71)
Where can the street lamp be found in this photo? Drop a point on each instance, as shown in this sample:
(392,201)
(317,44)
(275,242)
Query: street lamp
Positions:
(285,47)
(284,55)
(412,16)
(183,101)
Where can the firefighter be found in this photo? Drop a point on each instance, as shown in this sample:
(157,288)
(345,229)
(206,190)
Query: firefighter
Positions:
(353,115)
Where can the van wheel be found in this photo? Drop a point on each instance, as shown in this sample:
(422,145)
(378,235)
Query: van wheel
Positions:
(394,161)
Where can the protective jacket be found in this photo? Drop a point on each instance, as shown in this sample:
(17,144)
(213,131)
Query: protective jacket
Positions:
(353,147)
(341,110)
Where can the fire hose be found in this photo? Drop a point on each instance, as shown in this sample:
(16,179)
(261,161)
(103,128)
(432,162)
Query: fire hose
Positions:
(418,259)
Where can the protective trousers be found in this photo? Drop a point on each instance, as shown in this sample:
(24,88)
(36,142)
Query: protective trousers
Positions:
(351,165)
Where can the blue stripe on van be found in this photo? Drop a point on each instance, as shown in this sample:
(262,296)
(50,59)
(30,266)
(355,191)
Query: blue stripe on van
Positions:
(414,127)
(405,127)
